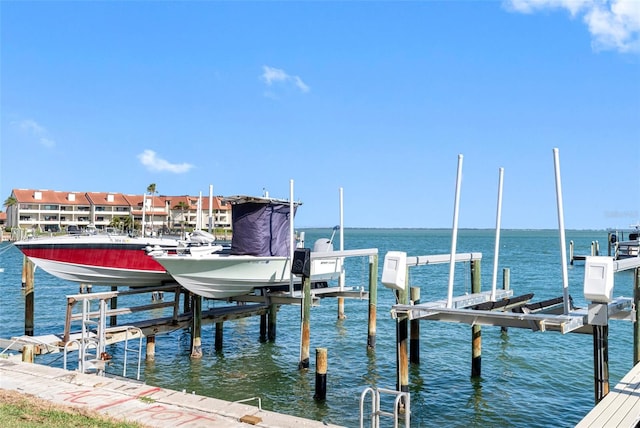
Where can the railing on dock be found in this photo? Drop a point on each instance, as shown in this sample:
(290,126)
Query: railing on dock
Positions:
(401,407)
(93,335)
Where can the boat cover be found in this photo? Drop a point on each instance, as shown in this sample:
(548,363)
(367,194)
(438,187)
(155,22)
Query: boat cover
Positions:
(260,229)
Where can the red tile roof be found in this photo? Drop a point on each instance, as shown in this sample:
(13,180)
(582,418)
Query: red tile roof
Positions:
(27,196)
(30,196)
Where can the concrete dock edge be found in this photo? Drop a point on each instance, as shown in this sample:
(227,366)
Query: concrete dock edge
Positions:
(134,401)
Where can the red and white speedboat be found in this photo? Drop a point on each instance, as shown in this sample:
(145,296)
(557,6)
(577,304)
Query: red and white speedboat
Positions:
(99,259)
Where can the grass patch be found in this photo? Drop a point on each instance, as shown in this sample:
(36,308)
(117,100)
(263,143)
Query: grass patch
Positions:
(25,411)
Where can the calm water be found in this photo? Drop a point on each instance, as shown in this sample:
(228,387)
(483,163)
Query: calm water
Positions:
(528,379)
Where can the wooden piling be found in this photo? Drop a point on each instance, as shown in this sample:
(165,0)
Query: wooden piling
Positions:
(476,330)
(321,374)
(176,305)
(196,331)
(187,301)
(113,319)
(219,336)
(506,285)
(402,345)
(28,270)
(263,328)
(151,347)
(636,330)
(341,314)
(373,298)
(306,324)
(67,323)
(414,340)
(272,322)
(601,361)
(28,352)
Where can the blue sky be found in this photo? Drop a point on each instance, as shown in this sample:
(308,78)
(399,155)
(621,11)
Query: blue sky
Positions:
(376,98)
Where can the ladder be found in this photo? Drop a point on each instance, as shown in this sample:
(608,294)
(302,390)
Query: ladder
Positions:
(91,345)
(401,404)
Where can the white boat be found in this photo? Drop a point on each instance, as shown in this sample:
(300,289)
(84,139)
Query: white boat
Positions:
(259,256)
(626,247)
(102,258)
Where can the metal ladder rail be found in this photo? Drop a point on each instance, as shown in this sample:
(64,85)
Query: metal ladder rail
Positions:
(87,341)
(84,361)
(128,329)
(376,412)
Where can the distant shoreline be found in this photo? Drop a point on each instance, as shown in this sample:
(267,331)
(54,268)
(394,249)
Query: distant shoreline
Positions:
(461,228)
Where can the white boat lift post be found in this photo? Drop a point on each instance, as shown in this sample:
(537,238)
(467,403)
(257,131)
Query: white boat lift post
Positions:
(211,209)
(291,235)
(496,252)
(341,278)
(454,234)
(144,208)
(563,246)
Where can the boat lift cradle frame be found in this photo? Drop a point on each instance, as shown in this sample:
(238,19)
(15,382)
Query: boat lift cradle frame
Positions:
(458,309)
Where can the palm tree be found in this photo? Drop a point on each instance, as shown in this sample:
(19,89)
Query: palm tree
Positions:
(128,224)
(116,222)
(182,206)
(151,188)
(10,201)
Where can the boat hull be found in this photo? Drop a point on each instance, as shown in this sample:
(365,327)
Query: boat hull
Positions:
(220,276)
(98,260)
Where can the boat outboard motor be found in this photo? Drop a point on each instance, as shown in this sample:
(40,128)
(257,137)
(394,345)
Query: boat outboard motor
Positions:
(322,245)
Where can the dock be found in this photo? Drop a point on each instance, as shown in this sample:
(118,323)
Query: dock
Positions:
(137,402)
(619,408)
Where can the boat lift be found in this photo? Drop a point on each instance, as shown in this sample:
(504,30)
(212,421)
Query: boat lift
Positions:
(499,308)
(462,309)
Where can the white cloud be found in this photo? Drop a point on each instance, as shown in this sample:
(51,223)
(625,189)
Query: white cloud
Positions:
(613,24)
(149,159)
(34,129)
(273,76)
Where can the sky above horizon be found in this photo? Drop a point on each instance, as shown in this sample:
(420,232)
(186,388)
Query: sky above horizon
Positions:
(376,98)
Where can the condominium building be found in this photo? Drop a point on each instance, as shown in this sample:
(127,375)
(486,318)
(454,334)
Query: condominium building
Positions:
(53,210)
